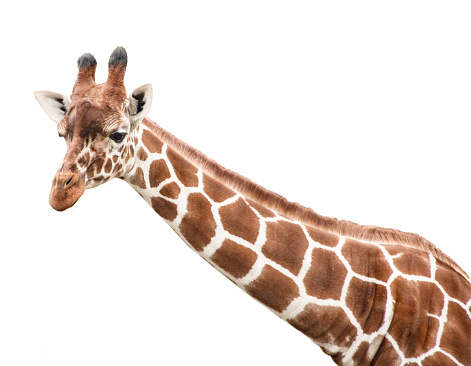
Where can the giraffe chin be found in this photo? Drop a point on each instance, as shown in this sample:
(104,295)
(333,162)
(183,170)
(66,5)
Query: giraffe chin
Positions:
(61,200)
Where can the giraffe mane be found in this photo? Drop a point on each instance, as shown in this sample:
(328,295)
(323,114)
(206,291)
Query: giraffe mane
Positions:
(294,210)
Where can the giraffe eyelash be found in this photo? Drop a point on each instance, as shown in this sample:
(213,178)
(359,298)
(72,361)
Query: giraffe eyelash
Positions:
(118,137)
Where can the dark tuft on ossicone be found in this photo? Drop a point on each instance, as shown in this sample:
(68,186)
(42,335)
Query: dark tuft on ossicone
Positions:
(119,56)
(86,60)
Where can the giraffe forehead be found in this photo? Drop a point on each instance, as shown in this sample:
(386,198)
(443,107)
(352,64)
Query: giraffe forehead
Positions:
(89,120)
(114,122)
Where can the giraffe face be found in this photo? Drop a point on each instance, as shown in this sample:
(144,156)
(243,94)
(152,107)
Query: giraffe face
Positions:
(99,127)
(98,141)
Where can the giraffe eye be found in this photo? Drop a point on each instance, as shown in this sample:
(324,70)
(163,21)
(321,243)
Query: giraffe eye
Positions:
(118,136)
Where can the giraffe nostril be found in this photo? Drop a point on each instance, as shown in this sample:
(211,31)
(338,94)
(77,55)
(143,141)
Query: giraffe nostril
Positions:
(68,181)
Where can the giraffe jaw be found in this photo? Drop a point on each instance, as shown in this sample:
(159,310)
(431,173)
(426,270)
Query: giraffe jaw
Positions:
(61,198)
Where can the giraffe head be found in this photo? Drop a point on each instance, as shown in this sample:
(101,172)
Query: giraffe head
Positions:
(98,124)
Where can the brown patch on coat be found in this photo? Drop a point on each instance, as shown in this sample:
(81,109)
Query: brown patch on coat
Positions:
(97,165)
(117,168)
(386,355)
(216,191)
(413,329)
(198,225)
(151,142)
(323,237)
(234,258)
(138,178)
(367,260)
(98,179)
(296,211)
(366,351)
(456,338)
(108,166)
(158,172)
(170,190)
(141,154)
(239,220)
(166,209)
(359,358)
(410,261)
(265,212)
(84,159)
(185,171)
(286,245)
(454,284)
(367,301)
(437,358)
(326,276)
(325,324)
(273,289)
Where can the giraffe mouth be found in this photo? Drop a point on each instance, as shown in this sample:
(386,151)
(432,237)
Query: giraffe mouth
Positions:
(67,188)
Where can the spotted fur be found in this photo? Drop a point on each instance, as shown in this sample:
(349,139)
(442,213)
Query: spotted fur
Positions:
(365,295)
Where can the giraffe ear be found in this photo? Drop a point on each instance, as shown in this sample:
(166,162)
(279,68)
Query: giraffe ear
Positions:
(54,104)
(140,102)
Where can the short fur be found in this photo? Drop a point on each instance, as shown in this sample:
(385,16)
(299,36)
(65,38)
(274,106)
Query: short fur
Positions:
(119,56)
(298,212)
(86,60)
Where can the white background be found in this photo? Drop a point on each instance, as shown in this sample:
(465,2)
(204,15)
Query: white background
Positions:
(360,110)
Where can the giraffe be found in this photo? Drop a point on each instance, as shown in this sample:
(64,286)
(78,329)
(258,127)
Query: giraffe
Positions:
(365,295)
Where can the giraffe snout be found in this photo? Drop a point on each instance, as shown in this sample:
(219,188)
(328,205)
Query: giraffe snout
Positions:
(67,188)
(65,180)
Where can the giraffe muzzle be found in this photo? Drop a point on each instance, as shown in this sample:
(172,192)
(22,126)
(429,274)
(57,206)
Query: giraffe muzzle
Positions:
(67,188)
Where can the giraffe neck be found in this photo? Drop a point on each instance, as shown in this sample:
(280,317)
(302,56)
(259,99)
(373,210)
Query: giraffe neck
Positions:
(261,251)
(341,293)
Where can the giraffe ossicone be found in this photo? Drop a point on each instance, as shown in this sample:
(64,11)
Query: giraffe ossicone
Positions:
(365,295)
